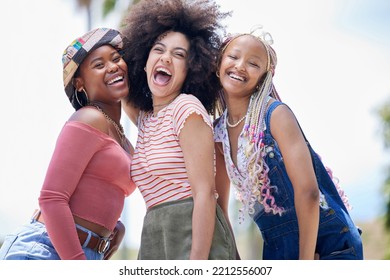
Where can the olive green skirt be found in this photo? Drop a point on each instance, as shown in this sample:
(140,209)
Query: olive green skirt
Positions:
(167,233)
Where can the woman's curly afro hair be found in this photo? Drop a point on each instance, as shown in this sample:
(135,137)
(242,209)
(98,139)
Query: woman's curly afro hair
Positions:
(199,20)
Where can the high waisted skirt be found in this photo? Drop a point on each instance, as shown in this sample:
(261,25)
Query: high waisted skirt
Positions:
(167,233)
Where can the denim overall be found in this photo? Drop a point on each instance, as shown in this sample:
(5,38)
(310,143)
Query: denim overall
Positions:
(338,237)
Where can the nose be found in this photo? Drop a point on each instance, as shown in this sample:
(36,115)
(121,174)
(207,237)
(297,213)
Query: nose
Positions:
(240,65)
(112,67)
(165,58)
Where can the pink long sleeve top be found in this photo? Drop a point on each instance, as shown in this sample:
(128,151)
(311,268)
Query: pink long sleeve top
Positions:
(88,177)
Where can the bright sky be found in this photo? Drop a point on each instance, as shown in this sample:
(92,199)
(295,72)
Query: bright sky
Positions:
(333,71)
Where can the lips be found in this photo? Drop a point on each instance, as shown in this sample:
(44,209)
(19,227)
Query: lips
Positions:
(115,79)
(237,77)
(162,76)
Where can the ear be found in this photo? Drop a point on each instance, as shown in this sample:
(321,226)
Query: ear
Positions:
(78,83)
(261,80)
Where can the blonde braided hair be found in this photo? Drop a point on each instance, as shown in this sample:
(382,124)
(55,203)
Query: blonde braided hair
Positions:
(256,186)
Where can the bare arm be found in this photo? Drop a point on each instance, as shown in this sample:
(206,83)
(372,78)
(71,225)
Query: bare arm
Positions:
(222,181)
(300,170)
(131,111)
(196,141)
(222,184)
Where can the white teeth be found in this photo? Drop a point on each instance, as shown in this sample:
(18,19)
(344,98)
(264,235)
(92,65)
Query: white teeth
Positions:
(236,77)
(166,71)
(118,78)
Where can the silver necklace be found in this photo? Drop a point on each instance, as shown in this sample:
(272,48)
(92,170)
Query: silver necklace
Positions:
(235,124)
(118,127)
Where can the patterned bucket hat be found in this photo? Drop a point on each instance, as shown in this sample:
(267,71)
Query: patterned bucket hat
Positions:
(78,50)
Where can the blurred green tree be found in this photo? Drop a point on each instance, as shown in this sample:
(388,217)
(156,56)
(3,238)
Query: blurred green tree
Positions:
(109,6)
(384,114)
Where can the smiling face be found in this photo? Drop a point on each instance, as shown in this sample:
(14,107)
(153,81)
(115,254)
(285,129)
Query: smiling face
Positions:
(243,63)
(166,67)
(103,74)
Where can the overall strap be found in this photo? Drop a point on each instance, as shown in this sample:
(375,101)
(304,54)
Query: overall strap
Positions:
(325,183)
(270,109)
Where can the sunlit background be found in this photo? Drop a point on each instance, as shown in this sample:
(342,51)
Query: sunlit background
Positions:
(333,71)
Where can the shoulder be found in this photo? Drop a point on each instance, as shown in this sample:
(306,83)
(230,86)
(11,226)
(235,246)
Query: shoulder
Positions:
(187,99)
(282,120)
(279,111)
(92,117)
(186,104)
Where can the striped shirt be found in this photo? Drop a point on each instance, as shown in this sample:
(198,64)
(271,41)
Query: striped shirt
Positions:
(158,167)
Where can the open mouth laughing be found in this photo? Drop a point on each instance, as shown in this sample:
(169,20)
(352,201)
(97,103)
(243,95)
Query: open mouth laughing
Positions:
(162,76)
(115,80)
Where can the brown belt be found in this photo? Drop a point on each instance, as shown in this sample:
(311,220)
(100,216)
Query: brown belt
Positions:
(99,244)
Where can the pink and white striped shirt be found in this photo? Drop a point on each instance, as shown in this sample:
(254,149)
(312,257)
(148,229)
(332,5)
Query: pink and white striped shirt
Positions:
(158,167)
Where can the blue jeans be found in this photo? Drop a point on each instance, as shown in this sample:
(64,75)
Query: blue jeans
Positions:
(31,242)
(338,237)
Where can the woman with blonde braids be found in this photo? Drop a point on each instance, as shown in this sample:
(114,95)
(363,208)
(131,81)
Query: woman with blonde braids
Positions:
(264,154)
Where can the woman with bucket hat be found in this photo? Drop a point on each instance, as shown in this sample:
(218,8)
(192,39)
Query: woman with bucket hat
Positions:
(88,177)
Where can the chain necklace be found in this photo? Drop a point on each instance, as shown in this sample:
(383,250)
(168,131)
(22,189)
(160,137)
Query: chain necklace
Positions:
(235,124)
(118,127)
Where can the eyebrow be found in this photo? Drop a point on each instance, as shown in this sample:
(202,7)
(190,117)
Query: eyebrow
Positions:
(176,48)
(114,52)
(240,51)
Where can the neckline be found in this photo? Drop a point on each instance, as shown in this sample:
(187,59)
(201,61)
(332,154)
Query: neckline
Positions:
(100,133)
(227,142)
(167,105)
(162,111)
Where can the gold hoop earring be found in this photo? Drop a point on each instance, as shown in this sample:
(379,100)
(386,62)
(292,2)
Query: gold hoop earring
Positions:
(77,97)
(76,94)
(86,95)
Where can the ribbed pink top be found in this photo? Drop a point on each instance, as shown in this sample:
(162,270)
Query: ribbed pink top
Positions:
(89,177)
